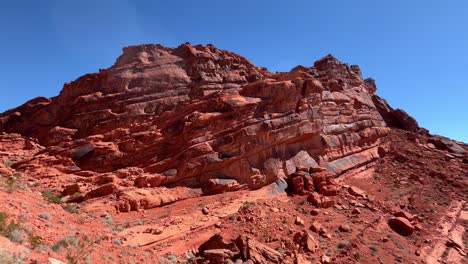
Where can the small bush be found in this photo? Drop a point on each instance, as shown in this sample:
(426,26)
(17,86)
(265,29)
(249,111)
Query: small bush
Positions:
(6,229)
(14,182)
(232,217)
(189,255)
(247,205)
(357,256)
(52,196)
(343,245)
(17,236)
(280,250)
(35,241)
(373,250)
(45,215)
(118,228)
(140,222)
(172,258)
(71,208)
(109,221)
(166,214)
(9,163)
(78,248)
(36,184)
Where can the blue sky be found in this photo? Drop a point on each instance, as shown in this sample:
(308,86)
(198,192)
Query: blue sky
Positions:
(416,50)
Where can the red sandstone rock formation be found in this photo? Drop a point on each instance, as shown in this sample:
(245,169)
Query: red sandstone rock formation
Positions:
(197,115)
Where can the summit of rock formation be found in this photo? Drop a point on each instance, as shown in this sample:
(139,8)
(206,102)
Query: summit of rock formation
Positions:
(169,128)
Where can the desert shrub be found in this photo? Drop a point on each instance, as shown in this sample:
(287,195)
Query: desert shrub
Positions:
(343,245)
(357,256)
(172,258)
(78,248)
(247,205)
(109,221)
(373,250)
(52,196)
(17,236)
(71,208)
(118,228)
(14,182)
(6,228)
(35,241)
(166,213)
(45,215)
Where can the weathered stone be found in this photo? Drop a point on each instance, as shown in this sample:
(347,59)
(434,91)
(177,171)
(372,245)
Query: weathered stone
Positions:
(315,226)
(344,228)
(71,189)
(102,190)
(191,114)
(329,190)
(404,215)
(320,201)
(299,221)
(258,252)
(353,190)
(401,225)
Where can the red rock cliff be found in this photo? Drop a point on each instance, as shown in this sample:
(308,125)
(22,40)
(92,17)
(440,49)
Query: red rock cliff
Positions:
(199,116)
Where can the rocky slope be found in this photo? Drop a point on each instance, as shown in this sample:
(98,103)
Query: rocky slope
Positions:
(172,127)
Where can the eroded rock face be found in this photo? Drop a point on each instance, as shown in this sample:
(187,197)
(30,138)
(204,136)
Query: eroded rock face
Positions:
(201,117)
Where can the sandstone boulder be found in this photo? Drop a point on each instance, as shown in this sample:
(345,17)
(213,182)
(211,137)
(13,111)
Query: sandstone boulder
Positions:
(401,225)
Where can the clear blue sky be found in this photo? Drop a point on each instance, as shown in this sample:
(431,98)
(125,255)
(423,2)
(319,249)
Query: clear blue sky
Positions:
(417,50)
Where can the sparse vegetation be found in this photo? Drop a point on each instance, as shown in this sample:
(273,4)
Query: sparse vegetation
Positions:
(36,184)
(78,248)
(140,222)
(52,196)
(9,229)
(373,250)
(82,219)
(118,228)
(13,183)
(166,214)
(232,217)
(8,163)
(444,254)
(17,235)
(357,256)
(189,255)
(342,245)
(247,204)
(109,221)
(35,241)
(280,250)
(45,215)
(71,208)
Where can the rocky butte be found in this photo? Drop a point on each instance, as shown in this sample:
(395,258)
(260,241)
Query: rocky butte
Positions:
(195,155)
